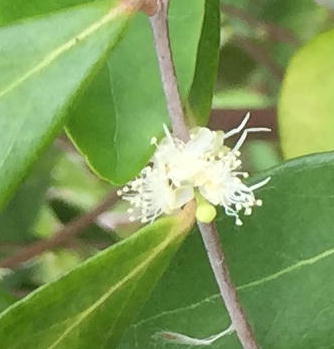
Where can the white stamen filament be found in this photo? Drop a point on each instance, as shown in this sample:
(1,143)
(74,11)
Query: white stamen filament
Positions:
(238,129)
(260,184)
(244,135)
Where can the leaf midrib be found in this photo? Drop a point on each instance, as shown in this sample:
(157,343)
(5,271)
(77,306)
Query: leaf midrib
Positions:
(255,283)
(69,44)
(140,267)
(49,59)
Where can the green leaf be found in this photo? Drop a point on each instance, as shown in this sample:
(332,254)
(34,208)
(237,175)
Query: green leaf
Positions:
(92,306)
(261,155)
(19,216)
(293,15)
(306,106)
(13,10)
(5,299)
(280,259)
(42,69)
(240,99)
(125,106)
(201,93)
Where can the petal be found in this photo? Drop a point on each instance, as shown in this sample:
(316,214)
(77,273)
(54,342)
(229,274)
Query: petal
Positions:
(202,140)
(183,195)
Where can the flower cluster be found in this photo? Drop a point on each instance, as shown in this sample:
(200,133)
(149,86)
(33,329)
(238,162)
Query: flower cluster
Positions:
(180,171)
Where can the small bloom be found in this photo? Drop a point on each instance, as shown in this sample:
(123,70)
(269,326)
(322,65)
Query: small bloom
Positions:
(152,194)
(204,165)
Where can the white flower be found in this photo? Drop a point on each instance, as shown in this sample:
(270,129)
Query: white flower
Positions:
(152,194)
(187,163)
(203,165)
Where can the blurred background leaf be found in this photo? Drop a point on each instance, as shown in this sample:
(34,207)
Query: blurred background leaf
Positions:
(18,219)
(327,3)
(306,108)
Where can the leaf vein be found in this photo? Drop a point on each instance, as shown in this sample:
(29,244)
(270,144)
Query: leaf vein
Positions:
(52,56)
(255,283)
(141,266)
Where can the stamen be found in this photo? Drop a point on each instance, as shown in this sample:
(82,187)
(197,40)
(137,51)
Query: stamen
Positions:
(154,141)
(238,222)
(244,135)
(238,206)
(238,129)
(260,184)
(167,133)
(248,211)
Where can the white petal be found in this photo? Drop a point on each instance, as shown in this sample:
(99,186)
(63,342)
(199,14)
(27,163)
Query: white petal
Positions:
(183,195)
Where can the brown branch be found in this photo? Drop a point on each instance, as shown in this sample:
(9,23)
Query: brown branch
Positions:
(209,234)
(62,236)
(274,31)
(228,292)
(150,7)
(159,24)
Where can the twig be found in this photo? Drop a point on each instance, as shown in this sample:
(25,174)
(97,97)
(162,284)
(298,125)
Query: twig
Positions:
(150,7)
(228,292)
(274,31)
(159,24)
(209,233)
(59,238)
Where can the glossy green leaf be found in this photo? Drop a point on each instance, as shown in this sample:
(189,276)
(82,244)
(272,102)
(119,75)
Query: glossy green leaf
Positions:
(19,216)
(281,260)
(13,10)
(201,93)
(42,69)
(306,107)
(125,105)
(92,306)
